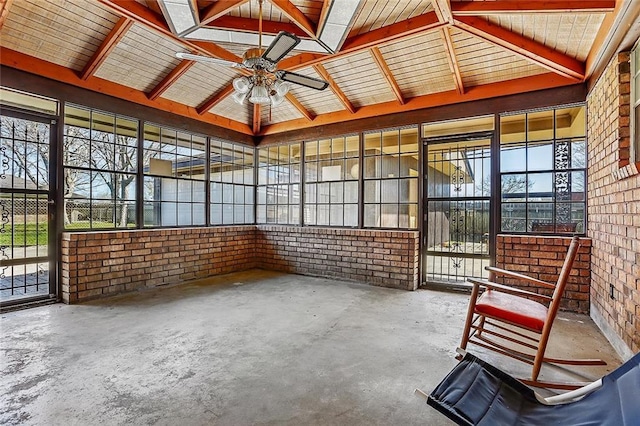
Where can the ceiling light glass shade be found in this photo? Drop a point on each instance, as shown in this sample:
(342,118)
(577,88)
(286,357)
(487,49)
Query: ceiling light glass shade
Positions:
(242,84)
(240,97)
(281,87)
(259,95)
(276,98)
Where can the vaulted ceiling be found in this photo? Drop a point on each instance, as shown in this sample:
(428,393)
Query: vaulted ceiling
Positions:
(392,56)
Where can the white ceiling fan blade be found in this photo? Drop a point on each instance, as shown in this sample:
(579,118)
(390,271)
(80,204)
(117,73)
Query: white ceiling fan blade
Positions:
(208,59)
(280,46)
(303,80)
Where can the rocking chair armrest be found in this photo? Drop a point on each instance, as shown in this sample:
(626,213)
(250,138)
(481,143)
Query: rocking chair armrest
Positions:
(519,276)
(506,289)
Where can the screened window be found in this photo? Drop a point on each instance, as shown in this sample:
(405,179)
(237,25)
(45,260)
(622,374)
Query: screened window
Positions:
(635,102)
(542,171)
(232,183)
(100,162)
(278,190)
(332,171)
(391,178)
(174,183)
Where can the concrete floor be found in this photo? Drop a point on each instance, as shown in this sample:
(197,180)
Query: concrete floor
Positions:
(252,348)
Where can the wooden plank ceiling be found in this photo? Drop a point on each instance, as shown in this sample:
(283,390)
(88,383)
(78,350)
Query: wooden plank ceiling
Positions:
(395,56)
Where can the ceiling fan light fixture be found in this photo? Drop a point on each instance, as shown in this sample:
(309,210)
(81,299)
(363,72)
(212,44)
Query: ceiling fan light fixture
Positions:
(275,98)
(281,87)
(259,95)
(242,84)
(239,98)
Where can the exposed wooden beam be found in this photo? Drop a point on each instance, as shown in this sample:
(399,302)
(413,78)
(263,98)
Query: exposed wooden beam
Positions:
(443,10)
(171,78)
(529,49)
(5,5)
(237,23)
(453,60)
(295,15)
(18,60)
(386,72)
(469,8)
(214,100)
(324,12)
(422,23)
(153,5)
(296,103)
(144,16)
(256,118)
(334,88)
(218,9)
(486,91)
(108,44)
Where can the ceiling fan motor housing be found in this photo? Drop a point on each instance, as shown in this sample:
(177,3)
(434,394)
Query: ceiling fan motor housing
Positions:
(253,59)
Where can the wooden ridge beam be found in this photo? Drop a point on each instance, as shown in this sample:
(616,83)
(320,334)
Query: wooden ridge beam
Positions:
(296,103)
(452,59)
(236,23)
(471,8)
(443,10)
(256,118)
(492,90)
(219,9)
(214,100)
(334,88)
(20,61)
(529,49)
(144,16)
(106,47)
(386,72)
(296,16)
(5,6)
(171,78)
(398,31)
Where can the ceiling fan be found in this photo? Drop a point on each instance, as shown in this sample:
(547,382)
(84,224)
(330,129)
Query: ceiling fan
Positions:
(266,84)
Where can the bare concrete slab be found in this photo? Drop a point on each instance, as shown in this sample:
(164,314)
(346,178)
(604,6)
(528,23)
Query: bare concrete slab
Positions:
(252,348)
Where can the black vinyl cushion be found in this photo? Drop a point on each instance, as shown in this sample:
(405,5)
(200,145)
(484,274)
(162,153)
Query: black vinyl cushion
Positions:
(477,393)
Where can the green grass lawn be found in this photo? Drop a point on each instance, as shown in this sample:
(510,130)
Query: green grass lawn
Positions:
(29,234)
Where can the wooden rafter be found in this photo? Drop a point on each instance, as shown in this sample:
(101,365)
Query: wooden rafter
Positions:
(324,13)
(5,5)
(256,118)
(108,44)
(386,72)
(443,10)
(23,62)
(295,15)
(218,9)
(532,50)
(517,6)
(236,23)
(334,88)
(144,16)
(296,103)
(423,23)
(453,60)
(171,78)
(491,90)
(214,100)
(153,5)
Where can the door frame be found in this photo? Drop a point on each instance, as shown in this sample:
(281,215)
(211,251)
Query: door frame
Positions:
(493,204)
(53,205)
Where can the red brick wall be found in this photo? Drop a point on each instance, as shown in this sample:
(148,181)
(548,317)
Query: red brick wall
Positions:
(382,258)
(97,264)
(542,258)
(614,205)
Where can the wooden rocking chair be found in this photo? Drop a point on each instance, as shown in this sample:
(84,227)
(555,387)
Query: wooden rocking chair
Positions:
(524,325)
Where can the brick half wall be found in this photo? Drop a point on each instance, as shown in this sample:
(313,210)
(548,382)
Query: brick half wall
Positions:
(381,258)
(99,264)
(542,258)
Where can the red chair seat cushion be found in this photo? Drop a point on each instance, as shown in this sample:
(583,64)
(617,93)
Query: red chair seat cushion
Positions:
(516,310)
